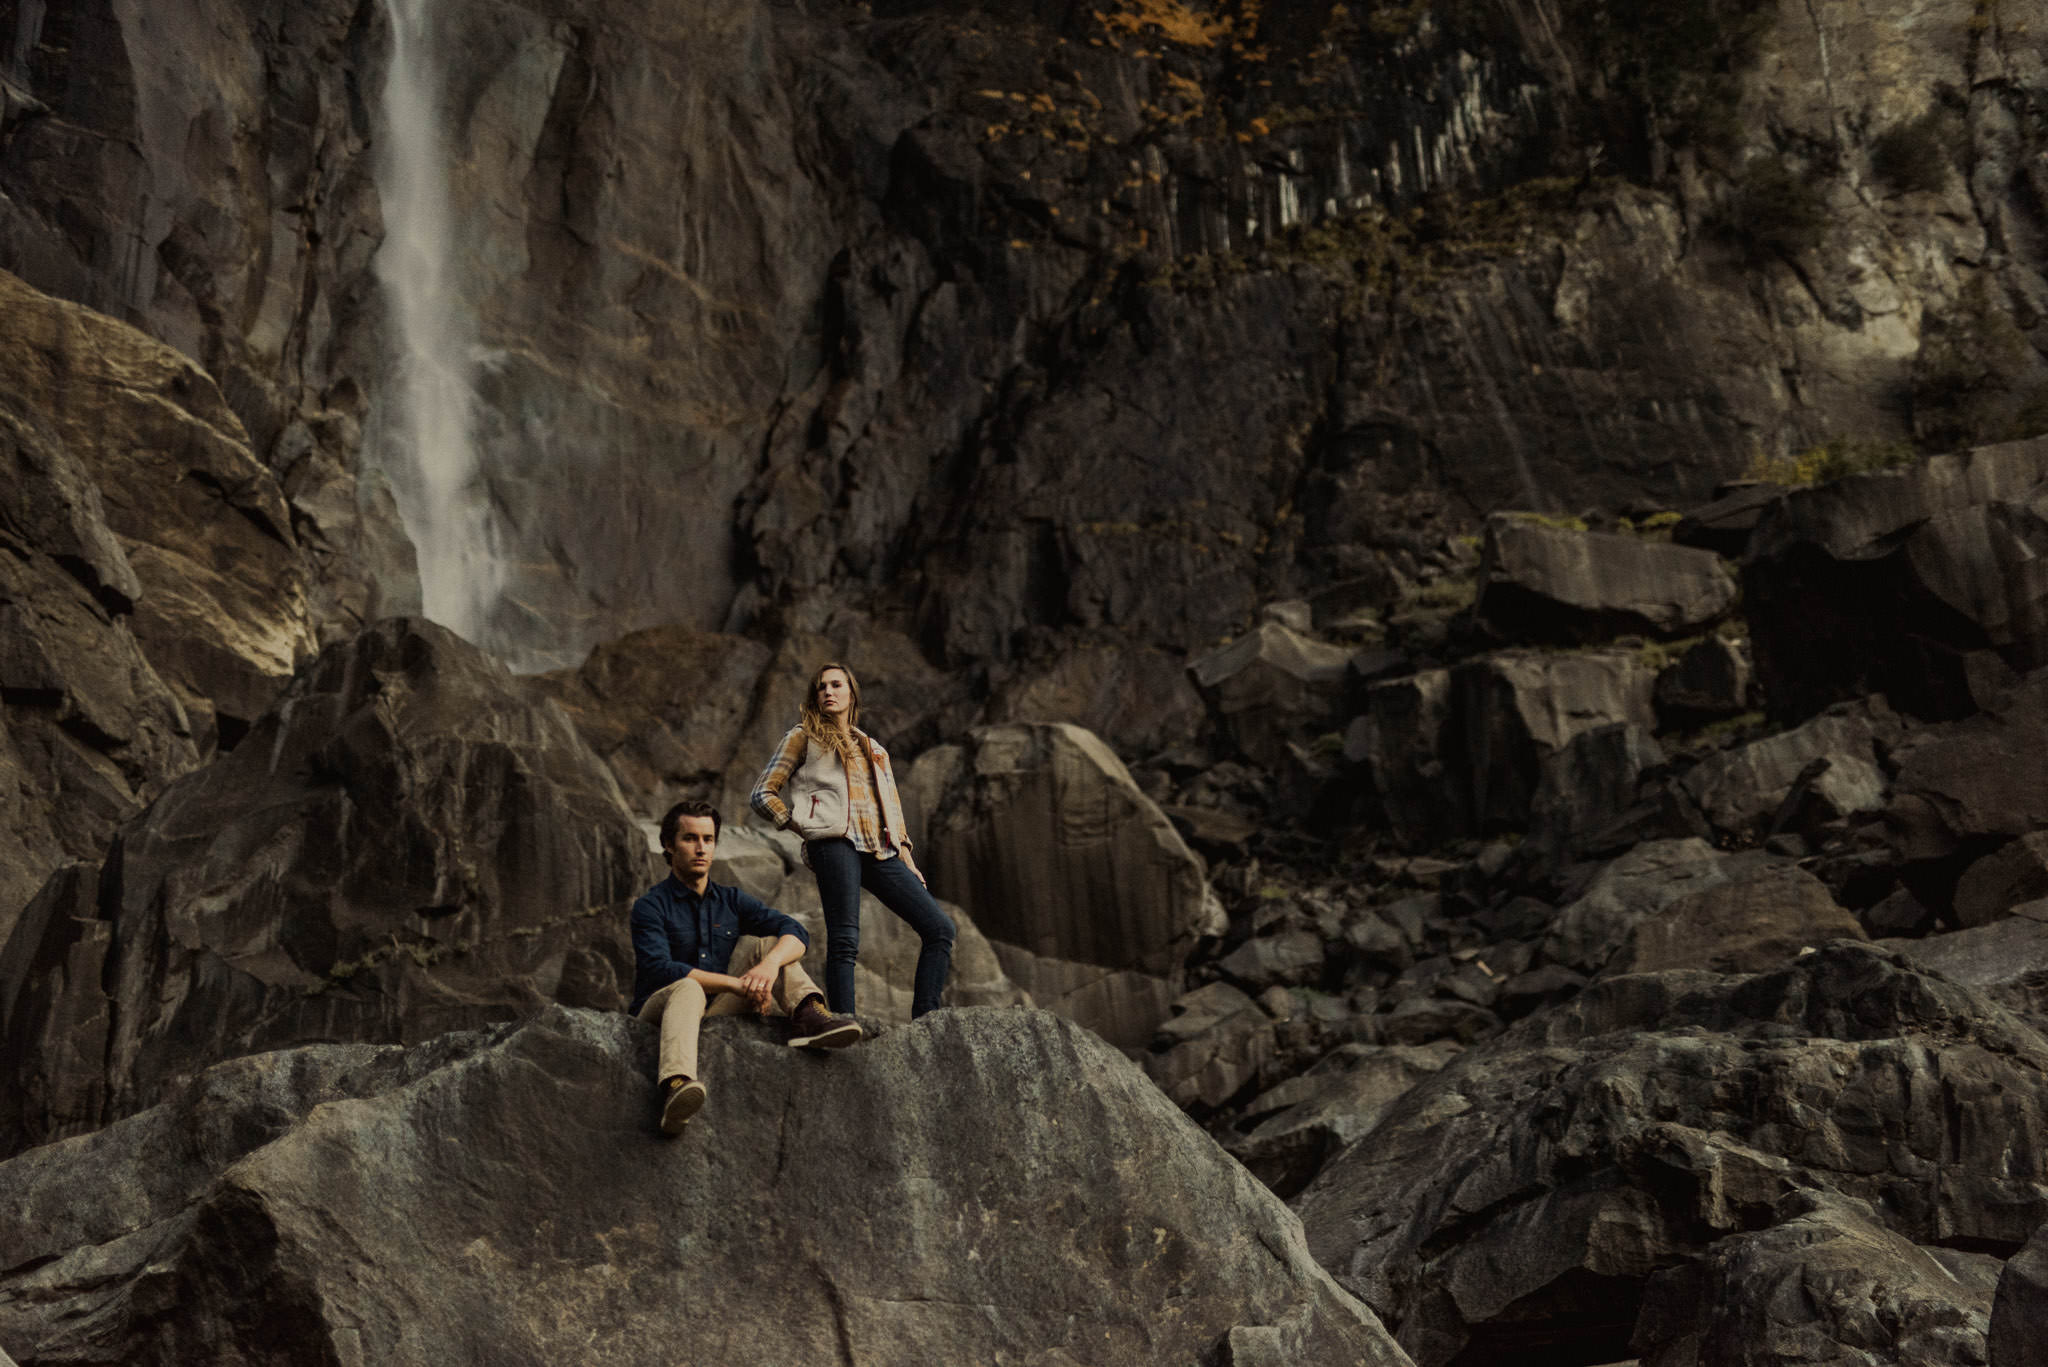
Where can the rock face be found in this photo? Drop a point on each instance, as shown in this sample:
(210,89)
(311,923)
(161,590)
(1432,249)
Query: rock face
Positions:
(221,609)
(1614,1140)
(513,1182)
(1542,583)
(1926,586)
(406,844)
(1089,892)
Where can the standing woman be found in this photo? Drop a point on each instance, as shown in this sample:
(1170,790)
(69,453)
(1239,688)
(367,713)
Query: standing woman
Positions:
(832,785)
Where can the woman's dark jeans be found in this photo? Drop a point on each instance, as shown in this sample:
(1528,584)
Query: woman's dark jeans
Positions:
(842,872)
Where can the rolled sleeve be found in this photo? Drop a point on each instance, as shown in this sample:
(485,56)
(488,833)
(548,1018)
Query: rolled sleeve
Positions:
(767,798)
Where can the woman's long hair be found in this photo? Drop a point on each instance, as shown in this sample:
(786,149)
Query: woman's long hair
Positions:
(821,729)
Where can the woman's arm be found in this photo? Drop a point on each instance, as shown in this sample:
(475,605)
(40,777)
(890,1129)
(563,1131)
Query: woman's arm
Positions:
(767,798)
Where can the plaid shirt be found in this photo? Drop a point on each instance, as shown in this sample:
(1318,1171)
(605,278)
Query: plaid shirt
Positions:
(864,827)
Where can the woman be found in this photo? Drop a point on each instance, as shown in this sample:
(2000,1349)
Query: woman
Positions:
(832,785)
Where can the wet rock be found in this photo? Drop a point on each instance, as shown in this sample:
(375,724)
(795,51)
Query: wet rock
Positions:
(1270,684)
(1711,681)
(1742,789)
(1827,1279)
(1622,1135)
(1552,584)
(1990,888)
(1306,1119)
(407,845)
(1041,834)
(338,1188)
(1753,923)
(2019,1312)
(1891,583)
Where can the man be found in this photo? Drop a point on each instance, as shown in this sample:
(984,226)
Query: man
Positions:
(686,929)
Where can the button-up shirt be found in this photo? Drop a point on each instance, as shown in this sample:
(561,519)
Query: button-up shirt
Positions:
(675,931)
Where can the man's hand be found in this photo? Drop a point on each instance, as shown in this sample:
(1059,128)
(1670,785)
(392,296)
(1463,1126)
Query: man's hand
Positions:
(757,984)
(911,864)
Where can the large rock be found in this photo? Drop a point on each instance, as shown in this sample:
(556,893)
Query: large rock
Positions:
(1271,685)
(1903,583)
(1556,584)
(1973,783)
(1523,1198)
(1400,740)
(982,1187)
(1750,924)
(2019,1313)
(1742,790)
(406,845)
(2007,960)
(1296,1127)
(1830,1283)
(1639,885)
(222,610)
(1138,700)
(2009,877)
(1040,833)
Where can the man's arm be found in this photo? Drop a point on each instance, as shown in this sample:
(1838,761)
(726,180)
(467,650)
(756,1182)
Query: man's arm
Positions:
(654,969)
(758,982)
(767,798)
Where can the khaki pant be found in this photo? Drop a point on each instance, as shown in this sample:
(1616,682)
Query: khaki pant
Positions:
(682,1006)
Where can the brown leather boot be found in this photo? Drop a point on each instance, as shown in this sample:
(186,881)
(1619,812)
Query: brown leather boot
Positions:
(683,1099)
(811,1026)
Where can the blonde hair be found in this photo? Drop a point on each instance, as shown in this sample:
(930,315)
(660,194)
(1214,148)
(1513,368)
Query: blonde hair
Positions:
(820,728)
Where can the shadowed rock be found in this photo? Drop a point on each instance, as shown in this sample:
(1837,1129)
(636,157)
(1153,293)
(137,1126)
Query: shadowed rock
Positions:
(1895,584)
(1091,895)
(985,1186)
(2019,1314)
(1540,583)
(1521,1199)
(406,845)
(1272,684)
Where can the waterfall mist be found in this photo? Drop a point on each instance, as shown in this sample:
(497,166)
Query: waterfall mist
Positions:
(429,432)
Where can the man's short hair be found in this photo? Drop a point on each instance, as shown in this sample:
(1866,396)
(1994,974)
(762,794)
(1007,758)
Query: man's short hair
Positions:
(672,822)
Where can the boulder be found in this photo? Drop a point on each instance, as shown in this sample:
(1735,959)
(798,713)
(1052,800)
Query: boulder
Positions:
(1269,685)
(407,845)
(1400,740)
(1039,832)
(1828,1282)
(1212,1047)
(664,708)
(1303,1121)
(1711,681)
(1586,793)
(1591,930)
(2015,873)
(1289,958)
(2007,959)
(1513,710)
(1973,782)
(1522,1199)
(222,611)
(1541,583)
(1742,790)
(2019,1311)
(1895,583)
(986,1186)
(1750,924)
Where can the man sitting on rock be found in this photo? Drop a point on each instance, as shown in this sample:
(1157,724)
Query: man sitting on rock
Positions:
(687,940)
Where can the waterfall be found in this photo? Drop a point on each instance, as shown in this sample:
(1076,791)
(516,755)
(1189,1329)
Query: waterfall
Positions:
(429,436)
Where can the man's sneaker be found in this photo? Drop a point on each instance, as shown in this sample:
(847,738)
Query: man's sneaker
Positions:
(813,1027)
(684,1099)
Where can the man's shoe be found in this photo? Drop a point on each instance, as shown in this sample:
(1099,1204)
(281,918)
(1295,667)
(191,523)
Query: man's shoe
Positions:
(684,1099)
(813,1027)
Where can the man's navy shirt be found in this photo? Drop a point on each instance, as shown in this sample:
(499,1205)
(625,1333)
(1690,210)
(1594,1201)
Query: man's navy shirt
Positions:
(675,931)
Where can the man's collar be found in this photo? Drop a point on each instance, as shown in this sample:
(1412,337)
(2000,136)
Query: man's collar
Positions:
(687,890)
